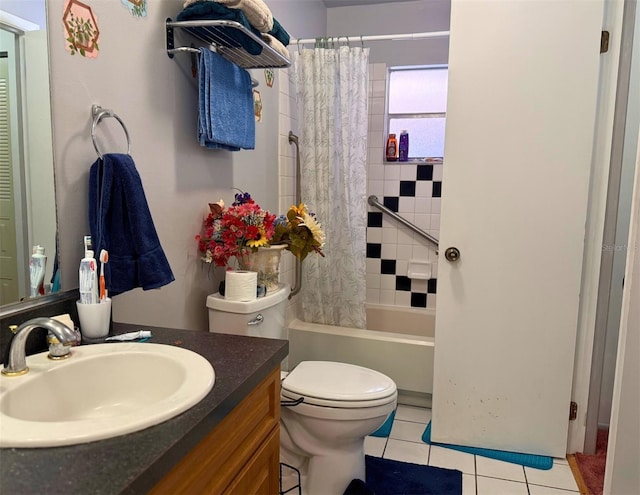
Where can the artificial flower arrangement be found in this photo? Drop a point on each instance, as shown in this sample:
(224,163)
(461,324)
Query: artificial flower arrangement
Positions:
(245,226)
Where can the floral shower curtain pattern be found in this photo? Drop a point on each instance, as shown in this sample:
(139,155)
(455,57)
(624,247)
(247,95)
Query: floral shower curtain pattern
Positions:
(332,99)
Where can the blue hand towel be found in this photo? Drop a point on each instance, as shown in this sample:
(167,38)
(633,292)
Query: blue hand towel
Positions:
(121,223)
(226,119)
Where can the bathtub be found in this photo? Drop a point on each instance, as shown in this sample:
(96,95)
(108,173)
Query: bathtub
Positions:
(398,342)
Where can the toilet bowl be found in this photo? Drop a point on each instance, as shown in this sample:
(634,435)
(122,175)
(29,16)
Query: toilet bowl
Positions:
(328,408)
(333,407)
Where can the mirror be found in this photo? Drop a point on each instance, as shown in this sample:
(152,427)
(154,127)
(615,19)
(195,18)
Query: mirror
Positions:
(27,199)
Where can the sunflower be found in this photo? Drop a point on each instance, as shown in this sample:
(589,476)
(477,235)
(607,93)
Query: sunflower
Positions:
(314,227)
(261,240)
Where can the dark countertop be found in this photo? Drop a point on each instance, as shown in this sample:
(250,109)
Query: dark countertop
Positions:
(133,463)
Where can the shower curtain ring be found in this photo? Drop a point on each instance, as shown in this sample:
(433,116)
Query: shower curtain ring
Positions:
(361,42)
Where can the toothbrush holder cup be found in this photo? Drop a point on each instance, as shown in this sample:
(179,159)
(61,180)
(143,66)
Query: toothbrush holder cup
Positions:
(95,319)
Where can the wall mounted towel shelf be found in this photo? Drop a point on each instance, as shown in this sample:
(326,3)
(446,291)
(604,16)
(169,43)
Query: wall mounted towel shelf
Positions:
(222,37)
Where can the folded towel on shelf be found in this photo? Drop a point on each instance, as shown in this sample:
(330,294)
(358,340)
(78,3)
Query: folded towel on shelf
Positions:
(256,11)
(279,33)
(227,36)
(276,45)
(121,223)
(226,119)
(228,3)
(259,14)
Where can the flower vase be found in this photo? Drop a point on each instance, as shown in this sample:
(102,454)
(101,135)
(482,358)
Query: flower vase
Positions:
(265,261)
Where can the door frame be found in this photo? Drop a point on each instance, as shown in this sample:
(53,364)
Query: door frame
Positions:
(594,298)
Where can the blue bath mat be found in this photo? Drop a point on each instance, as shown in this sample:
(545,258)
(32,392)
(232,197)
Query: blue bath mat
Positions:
(388,477)
(385,429)
(529,460)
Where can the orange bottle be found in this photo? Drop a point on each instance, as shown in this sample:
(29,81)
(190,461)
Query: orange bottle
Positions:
(392,148)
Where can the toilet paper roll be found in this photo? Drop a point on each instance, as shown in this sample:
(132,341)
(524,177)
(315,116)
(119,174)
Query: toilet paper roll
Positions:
(240,285)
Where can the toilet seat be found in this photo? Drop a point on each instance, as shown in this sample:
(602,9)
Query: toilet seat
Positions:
(338,385)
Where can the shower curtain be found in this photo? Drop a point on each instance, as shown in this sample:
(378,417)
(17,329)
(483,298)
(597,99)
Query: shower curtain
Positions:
(331,88)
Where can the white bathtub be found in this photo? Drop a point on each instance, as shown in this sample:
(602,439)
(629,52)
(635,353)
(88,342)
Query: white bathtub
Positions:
(398,342)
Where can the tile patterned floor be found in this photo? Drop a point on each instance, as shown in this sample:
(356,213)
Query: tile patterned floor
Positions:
(480,475)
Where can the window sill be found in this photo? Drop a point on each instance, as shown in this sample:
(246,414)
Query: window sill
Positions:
(417,161)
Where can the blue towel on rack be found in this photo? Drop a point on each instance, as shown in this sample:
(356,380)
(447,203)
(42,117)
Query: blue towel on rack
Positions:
(226,120)
(121,223)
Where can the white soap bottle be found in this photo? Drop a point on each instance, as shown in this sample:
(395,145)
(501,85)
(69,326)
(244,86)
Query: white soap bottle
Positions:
(88,278)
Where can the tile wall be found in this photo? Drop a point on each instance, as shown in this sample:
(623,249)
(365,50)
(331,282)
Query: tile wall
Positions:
(287,122)
(413,190)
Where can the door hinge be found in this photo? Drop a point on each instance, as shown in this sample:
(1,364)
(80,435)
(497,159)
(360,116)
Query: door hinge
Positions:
(573,411)
(604,41)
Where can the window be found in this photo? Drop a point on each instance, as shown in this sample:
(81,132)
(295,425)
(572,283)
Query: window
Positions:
(417,102)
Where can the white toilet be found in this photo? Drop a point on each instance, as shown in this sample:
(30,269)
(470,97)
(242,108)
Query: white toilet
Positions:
(337,404)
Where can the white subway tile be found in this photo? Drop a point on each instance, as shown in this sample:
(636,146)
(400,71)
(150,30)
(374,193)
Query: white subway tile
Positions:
(431,301)
(403,298)
(401,267)
(387,296)
(404,252)
(389,235)
(375,172)
(389,251)
(424,189)
(387,282)
(373,296)
(373,281)
(407,207)
(391,172)
(423,205)
(374,235)
(376,187)
(373,265)
(408,171)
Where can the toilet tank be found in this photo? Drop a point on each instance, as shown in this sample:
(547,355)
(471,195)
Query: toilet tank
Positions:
(263,317)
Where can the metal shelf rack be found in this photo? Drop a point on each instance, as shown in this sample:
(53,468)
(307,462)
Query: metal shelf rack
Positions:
(223,37)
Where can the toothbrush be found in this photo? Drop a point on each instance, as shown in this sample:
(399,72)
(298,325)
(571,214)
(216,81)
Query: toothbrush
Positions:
(104,258)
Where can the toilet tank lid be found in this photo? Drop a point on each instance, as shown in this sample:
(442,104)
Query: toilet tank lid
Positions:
(218,302)
(338,381)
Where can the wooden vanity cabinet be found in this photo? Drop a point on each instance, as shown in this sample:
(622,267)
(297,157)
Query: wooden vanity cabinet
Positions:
(240,456)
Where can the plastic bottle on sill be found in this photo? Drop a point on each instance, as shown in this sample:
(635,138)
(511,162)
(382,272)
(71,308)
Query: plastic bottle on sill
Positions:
(403,147)
(392,148)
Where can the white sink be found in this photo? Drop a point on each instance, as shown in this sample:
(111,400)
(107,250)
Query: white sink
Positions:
(101,391)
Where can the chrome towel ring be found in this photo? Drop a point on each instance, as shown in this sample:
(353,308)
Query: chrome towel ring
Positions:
(98,114)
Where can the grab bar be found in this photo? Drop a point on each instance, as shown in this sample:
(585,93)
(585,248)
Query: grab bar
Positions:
(298,271)
(373,201)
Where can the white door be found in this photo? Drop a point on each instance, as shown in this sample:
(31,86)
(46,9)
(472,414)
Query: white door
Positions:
(523,78)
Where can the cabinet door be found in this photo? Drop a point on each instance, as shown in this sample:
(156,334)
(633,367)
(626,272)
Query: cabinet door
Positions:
(523,79)
(260,476)
(215,462)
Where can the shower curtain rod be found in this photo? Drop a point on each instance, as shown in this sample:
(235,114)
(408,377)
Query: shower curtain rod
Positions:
(377,37)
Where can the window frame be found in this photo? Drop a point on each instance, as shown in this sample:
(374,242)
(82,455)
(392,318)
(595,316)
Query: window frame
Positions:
(388,115)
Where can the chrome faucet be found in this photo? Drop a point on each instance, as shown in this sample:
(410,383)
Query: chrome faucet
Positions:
(17,364)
